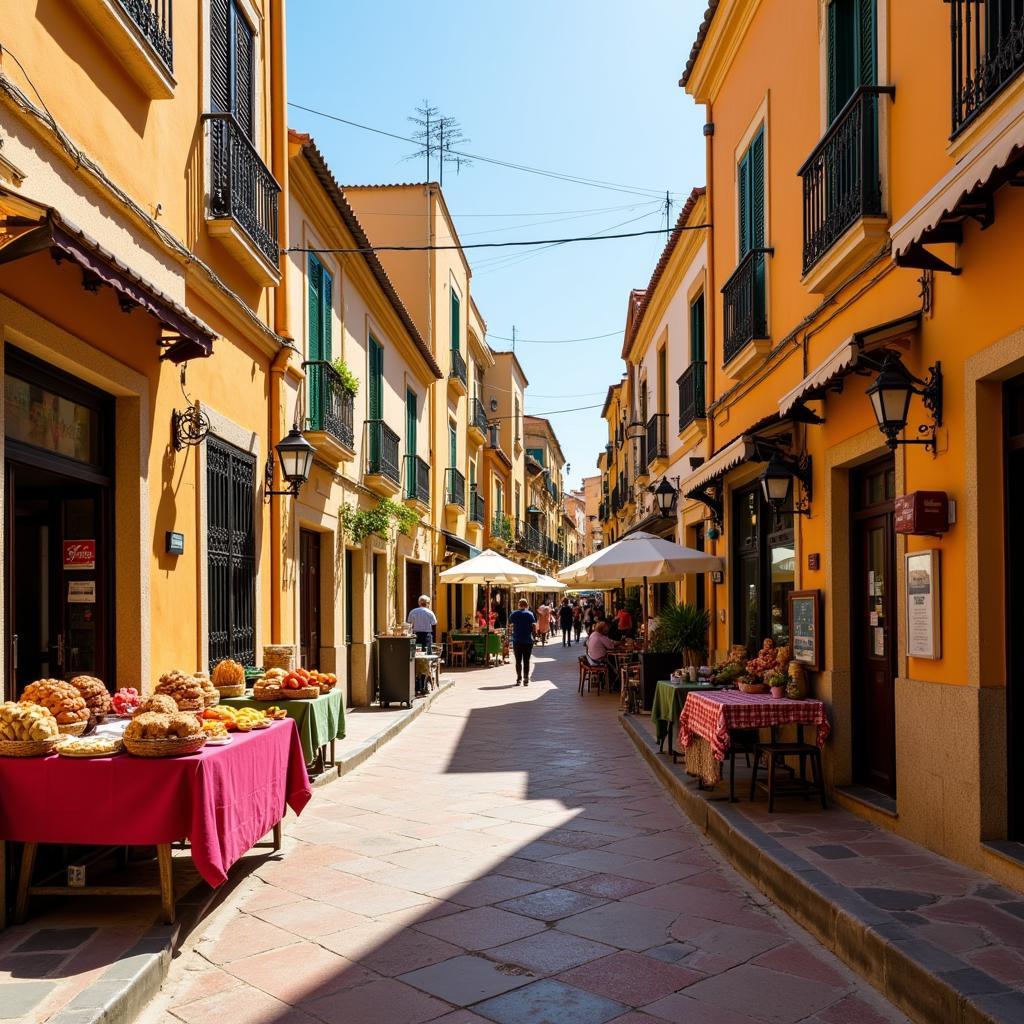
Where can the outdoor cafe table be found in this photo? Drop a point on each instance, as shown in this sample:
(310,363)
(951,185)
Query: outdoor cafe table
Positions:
(707,719)
(223,799)
(481,652)
(321,721)
(669,697)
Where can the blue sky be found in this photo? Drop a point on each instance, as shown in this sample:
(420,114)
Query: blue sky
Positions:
(583,88)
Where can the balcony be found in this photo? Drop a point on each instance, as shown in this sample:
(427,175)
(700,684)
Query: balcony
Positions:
(987,53)
(140,33)
(330,405)
(744,304)
(454,490)
(243,200)
(692,424)
(501,530)
(417,481)
(457,373)
(842,187)
(383,469)
(476,507)
(657,440)
(477,422)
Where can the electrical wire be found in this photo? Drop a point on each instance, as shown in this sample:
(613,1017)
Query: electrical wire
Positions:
(363,214)
(555,341)
(575,179)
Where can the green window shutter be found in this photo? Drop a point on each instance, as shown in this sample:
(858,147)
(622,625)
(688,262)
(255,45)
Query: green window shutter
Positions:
(326,313)
(866,56)
(375,409)
(453,448)
(831,60)
(245,73)
(411,421)
(757,191)
(743,181)
(456,321)
(313,277)
(220,62)
(697,329)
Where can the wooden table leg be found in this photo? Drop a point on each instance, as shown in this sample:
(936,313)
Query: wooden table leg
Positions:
(28,863)
(334,756)
(277,835)
(163,856)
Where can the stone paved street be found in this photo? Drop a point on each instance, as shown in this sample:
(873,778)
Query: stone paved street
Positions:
(509,858)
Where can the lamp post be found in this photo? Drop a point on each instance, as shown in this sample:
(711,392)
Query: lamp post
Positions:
(295,454)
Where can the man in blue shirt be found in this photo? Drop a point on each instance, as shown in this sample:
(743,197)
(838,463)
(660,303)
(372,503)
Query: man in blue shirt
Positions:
(524,625)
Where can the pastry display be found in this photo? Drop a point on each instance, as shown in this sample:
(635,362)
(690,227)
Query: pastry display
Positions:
(211,695)
(158,702)
(267,689)
(228,673)
(155,725)
(216,732)
(126,701)
(276,713)
(95,695)
(89,746)
(62,700)
(250,718)
(183,688)
(27,722)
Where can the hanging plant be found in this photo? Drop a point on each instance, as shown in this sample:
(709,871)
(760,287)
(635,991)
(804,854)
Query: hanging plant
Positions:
(349,381)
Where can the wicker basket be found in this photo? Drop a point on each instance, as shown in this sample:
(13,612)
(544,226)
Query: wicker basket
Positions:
(74,728)
(306,693)
(170,747)
(267,693)
(234,690)
(279,656)
(212,699)
(752,687)
(28,748)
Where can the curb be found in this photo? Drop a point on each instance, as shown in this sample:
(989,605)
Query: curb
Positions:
(920,979)
(126,988)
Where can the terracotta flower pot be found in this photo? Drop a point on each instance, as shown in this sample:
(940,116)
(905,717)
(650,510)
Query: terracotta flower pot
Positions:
(778,691)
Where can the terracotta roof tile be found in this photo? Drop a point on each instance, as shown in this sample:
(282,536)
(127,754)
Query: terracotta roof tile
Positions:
(702,32)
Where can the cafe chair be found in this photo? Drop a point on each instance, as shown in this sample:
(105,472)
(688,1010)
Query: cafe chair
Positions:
(632,699)
(745,742)
(590,674)
(505,645)
(775,754)
(458,653)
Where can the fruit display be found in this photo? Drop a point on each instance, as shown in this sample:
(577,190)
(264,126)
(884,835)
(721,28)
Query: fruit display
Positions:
(90,746)
(24,723)
(95,695)
(276,713)
(327,681)
(158,702)
(215,730)
(154,725)
(126,701)
(250,718)
(228,673)
(62,700)
(187,693)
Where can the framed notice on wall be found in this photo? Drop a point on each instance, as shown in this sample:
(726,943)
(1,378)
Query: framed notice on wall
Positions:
(805,627)
(924,626)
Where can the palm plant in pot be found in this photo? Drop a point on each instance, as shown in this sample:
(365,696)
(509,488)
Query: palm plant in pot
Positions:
(683,629)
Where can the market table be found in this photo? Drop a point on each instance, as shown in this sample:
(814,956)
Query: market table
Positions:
(224,799)
(669,697)
(482,651)
(320,721)
(711,717)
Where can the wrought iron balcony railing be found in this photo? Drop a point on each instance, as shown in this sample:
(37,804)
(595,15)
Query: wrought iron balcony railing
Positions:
(331,404)
(986,53)
(744,303)
(241,185)
(476,506)
(153,20)
(841,179)
(454,488)
(417,479)
(501,528)
(458,370)
(382,451)
(691,394)
(477,416)
(657,437)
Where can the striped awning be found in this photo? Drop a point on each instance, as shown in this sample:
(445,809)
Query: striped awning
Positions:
(740,450)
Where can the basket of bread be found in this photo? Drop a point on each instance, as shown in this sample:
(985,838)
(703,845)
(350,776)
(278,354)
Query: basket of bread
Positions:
(211,695)
(277,684)
(229,678)
(63,701)
(183,689)
(96,697)
(89,746)
(158,734)
(27,730)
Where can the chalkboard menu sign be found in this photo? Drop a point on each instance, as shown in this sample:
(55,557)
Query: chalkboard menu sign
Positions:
(805,627)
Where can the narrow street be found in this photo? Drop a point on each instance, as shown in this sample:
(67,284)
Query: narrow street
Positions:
(509,858)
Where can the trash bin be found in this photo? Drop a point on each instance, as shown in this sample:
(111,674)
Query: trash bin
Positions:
(396,670)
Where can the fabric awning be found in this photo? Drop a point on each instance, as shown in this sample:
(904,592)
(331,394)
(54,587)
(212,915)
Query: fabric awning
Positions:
(192,339)
(845,357)
(455,545)
(740,450)
(979,169)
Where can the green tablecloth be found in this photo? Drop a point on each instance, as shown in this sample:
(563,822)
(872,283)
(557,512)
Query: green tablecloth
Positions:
(319,721)
(669,698)
(477,640)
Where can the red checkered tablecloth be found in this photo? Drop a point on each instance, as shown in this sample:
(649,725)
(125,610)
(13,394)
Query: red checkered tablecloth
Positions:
(714,715)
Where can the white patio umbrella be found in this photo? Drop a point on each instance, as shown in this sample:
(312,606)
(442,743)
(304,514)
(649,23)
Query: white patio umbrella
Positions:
(543,585)
(489,569)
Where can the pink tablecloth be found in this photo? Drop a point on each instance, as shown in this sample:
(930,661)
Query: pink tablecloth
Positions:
(713,715)
(223,799)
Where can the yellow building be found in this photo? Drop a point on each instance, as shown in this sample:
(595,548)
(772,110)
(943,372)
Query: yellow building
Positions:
(544,532)
(347,583)
(129,250)
(504,398)
(893,251)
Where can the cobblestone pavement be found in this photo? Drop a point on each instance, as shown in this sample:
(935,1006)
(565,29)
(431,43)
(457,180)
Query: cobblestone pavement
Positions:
(507,859)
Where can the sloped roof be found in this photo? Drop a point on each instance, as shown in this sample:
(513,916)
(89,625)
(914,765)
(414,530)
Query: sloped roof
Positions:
(698,43)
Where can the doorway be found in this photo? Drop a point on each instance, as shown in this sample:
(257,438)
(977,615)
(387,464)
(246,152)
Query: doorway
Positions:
(873,608)
(1013,420)
(413,587)
(349,622)
(309,598)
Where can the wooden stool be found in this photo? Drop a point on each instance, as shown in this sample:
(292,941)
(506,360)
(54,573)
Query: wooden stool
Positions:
(588,673)
(458,651)
(775,752)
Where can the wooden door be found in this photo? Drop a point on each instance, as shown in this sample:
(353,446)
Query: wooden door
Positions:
(873,607)
(1014,447)
(309,598)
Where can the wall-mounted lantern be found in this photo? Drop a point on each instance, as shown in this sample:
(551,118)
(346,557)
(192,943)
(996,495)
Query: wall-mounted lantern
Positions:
(890,395)
(777,483)
(295,454)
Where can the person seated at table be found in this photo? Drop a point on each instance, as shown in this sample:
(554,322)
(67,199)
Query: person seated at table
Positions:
(423,622)
(599,645)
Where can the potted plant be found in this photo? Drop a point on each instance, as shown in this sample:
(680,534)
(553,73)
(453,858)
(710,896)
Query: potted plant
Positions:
(776,682)
(349,381)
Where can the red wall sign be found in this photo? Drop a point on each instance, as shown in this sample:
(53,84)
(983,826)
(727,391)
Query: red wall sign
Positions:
(79,554)
(923,512)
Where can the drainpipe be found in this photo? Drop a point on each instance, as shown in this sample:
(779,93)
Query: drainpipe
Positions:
(710,306)
(279,168)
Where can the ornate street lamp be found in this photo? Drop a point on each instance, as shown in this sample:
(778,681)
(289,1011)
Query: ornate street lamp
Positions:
(295,454)
(777,483)
(665,495)
(890,395)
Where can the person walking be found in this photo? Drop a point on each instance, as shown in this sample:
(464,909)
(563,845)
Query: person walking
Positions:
(577,621)
(565,622)
(524,625)
(544,621)
(624,621)
(423,621)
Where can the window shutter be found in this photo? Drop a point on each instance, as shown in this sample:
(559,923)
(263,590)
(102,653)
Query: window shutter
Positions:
(376,367)
(831,55)
(866,63)
(245,74)
(756,165)
(410,423)
(313,278)
(220,73)
(456,306)
(453,447)
(326,308)
(744,201)
(697,330)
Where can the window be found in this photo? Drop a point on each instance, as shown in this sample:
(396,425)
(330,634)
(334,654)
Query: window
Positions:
(232,65)
(518,502)
(697,329)
(851,55)
(321,286)
(499,498)
(230,546)
(453,446)
(515,425)
(375,390)
(751,197)
(456,321)
(663,379)
(411,421)
(536,453)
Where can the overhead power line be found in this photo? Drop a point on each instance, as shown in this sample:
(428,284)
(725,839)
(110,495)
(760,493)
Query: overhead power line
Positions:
(556,341)
(574,178)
